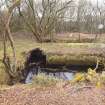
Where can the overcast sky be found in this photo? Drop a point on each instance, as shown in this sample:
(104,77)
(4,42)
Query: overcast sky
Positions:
(94,2)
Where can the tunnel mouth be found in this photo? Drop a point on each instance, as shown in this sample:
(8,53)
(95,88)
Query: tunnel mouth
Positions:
(35,57)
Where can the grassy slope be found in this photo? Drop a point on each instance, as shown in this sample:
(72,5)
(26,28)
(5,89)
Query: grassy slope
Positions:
(62,52)
(69,53)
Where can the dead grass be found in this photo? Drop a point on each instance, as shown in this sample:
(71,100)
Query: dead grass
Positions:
(84,37)
(69,95)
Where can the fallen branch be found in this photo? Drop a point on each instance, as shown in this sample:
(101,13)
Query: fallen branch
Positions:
(97,65)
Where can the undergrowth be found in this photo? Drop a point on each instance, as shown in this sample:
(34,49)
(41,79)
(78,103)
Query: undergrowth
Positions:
(91,77)
(45,80)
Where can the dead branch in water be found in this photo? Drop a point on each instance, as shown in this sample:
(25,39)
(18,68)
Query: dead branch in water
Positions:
(97,64)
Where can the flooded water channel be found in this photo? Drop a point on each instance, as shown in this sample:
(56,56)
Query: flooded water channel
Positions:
(59,75)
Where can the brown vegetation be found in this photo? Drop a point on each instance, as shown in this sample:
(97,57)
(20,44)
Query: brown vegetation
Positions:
(69,95)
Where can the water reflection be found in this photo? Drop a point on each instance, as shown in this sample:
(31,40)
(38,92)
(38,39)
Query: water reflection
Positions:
(60,75)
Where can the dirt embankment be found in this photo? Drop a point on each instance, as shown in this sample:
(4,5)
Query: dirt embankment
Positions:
(54,96)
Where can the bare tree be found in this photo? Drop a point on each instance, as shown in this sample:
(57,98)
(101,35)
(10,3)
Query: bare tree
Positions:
(43,16)
(7,36)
